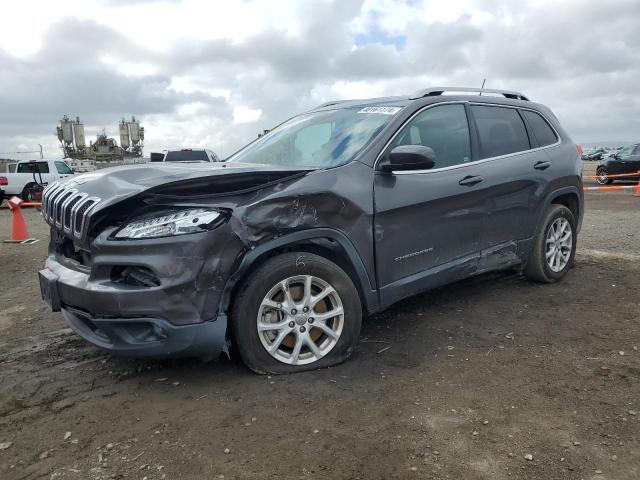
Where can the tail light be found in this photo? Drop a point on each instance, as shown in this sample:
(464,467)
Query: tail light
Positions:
(579,148)
(4,181)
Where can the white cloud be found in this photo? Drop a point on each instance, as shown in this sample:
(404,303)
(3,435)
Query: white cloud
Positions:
(243,114)
(202,73)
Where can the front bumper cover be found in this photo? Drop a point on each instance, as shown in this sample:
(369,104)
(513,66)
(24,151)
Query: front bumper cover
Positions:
(150,337)
(177,318)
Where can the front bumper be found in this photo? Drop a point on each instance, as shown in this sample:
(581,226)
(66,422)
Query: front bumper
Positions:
(178,316)
(146,337)
(150,337)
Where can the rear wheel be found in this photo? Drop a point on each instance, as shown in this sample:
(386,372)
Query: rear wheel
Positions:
(603,179)
(296,312)
(554,247)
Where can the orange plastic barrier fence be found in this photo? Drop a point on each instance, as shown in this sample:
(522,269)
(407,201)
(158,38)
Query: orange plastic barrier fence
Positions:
(614,176)
(615,187)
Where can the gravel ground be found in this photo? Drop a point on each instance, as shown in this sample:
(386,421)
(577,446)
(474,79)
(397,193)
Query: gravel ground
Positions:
(493,377)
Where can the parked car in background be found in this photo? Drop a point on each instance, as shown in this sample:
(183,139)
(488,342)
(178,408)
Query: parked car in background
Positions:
(625,160)
(29,174)
(186,155)
(594,155)
(342,210)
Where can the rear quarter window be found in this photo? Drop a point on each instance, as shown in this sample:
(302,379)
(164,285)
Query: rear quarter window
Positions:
(541,129)
(501,131)
(30,167)
(187,156)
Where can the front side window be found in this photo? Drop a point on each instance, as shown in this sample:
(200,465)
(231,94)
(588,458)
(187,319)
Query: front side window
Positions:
(444,129)
(30,167)
(501,131)
(541,130)
(320,139)
(63,168)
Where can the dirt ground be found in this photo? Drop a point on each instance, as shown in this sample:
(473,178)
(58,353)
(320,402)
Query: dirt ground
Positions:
(463,382)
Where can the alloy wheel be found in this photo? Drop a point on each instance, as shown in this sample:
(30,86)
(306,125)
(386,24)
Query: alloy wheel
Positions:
(300,320)
(602,177)
(558,245)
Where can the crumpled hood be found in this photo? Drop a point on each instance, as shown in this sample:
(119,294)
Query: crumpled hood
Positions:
(115,184)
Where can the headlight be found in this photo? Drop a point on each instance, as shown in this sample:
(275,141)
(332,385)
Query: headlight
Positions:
(178,223)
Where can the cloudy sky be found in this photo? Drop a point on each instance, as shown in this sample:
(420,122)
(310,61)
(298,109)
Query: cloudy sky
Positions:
(205,73)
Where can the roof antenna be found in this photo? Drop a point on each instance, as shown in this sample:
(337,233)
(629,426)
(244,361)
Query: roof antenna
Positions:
(483,80)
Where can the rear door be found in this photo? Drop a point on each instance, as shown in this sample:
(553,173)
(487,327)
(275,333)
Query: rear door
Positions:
(517,169)
(428,222)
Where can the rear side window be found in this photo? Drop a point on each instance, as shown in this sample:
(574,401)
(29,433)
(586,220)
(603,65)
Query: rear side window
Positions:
(444,129)
(501,131)
(30,167)
(541,130)
(187,156)
(63,168)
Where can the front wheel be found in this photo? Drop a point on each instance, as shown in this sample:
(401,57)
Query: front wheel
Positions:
(602,178)
(297,311)
(554,246)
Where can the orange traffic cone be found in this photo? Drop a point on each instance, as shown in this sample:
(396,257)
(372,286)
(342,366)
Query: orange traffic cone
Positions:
(19,230)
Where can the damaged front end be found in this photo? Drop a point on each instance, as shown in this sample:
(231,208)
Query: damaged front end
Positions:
(141,273)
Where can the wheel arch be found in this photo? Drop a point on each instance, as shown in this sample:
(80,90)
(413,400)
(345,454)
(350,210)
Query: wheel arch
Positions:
(27,186)
(570,197)
(326,242)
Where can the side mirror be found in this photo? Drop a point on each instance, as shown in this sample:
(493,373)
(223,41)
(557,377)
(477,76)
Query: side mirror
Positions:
(409,157)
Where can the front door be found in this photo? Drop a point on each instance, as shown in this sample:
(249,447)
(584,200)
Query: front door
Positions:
(428,223)
(631,161)
(621,162)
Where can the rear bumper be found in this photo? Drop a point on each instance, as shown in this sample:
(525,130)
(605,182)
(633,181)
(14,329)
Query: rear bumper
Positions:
(150,337)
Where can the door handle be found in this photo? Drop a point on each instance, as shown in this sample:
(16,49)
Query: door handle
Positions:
(542,165)
(470,180)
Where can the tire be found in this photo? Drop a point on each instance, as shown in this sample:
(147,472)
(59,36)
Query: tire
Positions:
(602,177)
(538,268)
(262,299)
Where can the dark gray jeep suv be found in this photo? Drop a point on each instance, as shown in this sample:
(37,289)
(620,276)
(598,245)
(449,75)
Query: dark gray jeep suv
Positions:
(336,213)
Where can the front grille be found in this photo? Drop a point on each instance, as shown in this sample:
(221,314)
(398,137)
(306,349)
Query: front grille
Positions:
(67,209)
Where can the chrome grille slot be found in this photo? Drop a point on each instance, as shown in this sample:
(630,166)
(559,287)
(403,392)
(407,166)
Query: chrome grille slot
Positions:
(59,201)
(67,215)
(81,211)
(47,201)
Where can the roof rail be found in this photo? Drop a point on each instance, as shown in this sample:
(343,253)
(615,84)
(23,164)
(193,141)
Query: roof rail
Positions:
(435,91)
(332,102)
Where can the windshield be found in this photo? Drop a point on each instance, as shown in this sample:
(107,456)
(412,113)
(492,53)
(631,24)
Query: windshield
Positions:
(320,139)
(187,156)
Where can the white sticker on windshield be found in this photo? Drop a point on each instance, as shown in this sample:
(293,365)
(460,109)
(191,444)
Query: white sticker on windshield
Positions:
(382,110)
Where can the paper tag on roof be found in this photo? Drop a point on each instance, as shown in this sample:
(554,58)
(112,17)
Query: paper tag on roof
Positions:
(381,110)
